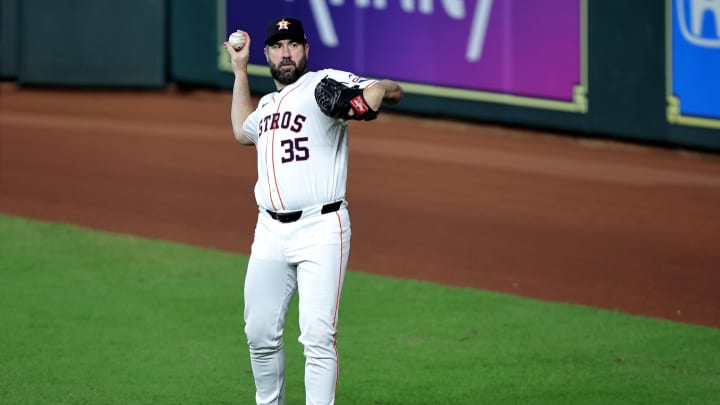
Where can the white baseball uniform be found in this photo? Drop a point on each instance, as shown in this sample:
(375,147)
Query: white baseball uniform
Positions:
(302,238)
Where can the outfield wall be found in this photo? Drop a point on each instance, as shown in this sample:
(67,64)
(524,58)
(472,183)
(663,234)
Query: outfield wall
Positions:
(642,70)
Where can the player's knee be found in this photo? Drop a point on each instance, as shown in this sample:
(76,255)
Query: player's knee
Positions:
(262,339)
(318,340)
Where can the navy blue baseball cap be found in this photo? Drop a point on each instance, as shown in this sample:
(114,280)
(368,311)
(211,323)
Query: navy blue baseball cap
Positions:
(285,28)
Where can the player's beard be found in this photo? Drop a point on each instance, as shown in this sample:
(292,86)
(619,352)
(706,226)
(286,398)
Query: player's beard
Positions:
(289,76)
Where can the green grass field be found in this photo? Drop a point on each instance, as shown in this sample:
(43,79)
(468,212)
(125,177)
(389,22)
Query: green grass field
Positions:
(95,318)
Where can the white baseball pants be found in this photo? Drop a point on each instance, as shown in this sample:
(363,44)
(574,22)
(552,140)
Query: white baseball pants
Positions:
(308,256)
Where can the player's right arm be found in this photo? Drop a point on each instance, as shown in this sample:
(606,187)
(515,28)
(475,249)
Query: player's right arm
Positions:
(242,105)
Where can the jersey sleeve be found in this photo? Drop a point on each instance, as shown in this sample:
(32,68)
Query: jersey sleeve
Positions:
(348,78)
(250,126)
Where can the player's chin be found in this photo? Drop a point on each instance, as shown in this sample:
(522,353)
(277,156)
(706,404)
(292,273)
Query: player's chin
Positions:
(287,76)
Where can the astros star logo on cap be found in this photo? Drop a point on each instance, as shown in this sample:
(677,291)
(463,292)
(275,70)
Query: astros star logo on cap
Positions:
(283,25)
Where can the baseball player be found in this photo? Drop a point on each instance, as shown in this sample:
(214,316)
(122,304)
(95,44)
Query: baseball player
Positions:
(302,237)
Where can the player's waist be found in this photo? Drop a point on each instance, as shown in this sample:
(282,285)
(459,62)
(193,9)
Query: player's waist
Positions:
(315,210)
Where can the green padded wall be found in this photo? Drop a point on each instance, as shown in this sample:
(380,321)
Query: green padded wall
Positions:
(93,43)
(9,29)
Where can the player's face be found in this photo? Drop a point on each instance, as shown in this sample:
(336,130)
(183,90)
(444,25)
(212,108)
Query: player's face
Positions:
(287,60)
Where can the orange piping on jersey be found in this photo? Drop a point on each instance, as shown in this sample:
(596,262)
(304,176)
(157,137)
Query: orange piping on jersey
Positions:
(282,204)
(267,139)
(273,147)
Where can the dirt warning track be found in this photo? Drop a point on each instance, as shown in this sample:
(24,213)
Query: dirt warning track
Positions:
(605,224)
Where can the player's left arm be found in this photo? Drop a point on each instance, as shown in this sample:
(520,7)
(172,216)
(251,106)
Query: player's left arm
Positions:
(383,91)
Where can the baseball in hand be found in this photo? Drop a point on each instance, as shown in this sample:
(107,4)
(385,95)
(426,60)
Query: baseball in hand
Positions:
(237,40)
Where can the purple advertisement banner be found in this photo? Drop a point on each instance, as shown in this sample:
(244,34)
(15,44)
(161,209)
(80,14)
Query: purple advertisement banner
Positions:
(528,49)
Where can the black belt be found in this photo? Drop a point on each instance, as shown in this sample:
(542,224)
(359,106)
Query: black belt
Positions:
(293,216)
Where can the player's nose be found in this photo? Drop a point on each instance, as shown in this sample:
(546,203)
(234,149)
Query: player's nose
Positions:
(285,51)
